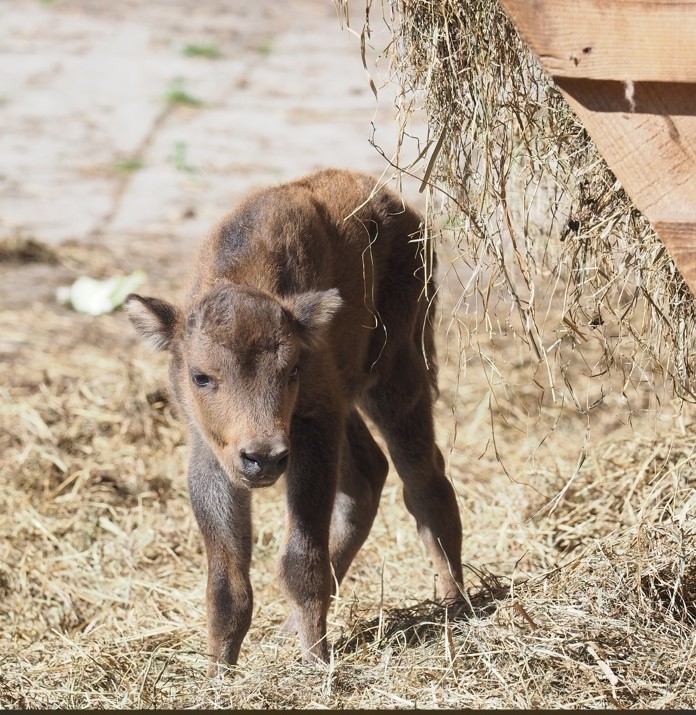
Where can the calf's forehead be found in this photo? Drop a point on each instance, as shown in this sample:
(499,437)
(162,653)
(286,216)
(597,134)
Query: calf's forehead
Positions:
(243,335)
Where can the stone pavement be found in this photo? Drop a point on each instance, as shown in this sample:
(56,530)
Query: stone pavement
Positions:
(101,133)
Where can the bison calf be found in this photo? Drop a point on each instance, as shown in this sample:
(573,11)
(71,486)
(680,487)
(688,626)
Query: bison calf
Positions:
(307,303)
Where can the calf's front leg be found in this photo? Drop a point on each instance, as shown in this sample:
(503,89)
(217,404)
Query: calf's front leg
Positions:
(305,565)
(223,514)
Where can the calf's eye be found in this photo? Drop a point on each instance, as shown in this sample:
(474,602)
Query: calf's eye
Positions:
(200,379)
(293,374)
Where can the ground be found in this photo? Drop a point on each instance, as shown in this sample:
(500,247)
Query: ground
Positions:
(127,130)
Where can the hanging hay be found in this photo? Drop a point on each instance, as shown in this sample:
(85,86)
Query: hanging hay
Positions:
(535,216)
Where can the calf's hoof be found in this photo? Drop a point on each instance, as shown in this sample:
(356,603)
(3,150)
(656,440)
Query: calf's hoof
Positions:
(318,654)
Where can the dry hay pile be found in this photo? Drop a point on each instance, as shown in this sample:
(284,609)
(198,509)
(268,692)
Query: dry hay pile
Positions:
(580,594)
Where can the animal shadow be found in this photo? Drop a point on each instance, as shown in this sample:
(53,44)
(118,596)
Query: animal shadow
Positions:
(423,622)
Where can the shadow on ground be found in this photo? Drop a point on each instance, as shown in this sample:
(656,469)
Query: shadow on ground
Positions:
(423,623)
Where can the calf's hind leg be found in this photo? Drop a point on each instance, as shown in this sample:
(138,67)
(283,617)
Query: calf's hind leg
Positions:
(363,472)
(401,406)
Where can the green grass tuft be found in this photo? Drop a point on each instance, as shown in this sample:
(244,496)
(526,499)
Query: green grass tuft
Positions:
(179,158)
(129,163)
(177,95)
(207,50)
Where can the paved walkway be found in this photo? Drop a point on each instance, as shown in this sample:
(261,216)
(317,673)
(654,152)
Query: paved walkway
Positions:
(101,133)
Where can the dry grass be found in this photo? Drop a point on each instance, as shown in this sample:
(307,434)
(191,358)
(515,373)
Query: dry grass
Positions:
(582,578)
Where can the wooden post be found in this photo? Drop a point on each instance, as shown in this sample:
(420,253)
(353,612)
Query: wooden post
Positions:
(628,70)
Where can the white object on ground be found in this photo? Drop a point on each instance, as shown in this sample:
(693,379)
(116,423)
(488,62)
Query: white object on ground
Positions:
(95,297)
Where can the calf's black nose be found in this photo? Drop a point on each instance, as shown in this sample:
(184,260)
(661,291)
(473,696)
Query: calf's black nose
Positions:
(262,464)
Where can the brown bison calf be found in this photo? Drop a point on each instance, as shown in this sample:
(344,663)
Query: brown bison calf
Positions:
(309,301)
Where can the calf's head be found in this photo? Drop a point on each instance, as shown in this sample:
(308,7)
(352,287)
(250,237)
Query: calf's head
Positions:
(236,365)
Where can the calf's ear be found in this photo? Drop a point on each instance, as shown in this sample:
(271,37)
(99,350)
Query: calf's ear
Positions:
(314,311)
(154,319)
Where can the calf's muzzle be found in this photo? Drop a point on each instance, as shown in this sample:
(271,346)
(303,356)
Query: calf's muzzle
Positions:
(263,462)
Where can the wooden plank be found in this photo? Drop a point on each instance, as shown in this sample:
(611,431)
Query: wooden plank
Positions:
(638,40)
(680,239)
(628,70)
(664,98)
(652,153)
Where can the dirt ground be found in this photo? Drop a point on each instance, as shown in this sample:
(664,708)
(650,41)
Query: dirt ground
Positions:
(126,130)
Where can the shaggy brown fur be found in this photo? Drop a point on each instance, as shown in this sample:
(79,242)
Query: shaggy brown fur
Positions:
(308,302)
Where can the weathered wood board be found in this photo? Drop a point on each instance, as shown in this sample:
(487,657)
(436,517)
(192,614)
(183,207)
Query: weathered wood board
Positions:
(628,70)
